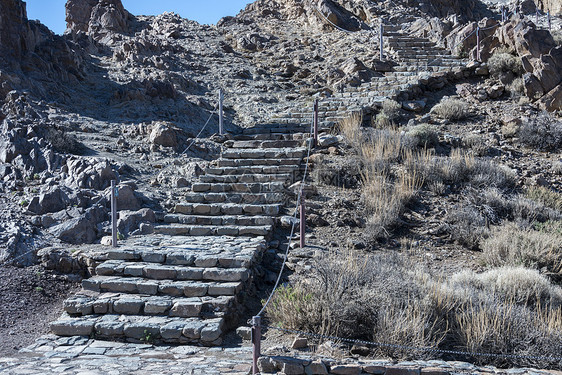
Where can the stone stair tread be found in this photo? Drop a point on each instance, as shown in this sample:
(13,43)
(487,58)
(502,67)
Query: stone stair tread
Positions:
(261,169)
(265,144)
(258,162)
(139,285)
(158,271)
(249,198)
(247,177)
(213,230)
(188,219)
(286,152)
(118,303)
(228,209)
(239,187)
(139,328)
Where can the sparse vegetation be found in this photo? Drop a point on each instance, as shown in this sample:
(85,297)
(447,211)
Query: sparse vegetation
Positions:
(504,62)
(426,135)
(451,109)
(542,132)
(388,115)
(383,297)
(64,142)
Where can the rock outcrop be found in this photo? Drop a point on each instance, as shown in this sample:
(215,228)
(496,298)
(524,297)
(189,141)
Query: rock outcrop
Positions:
(96,18)
(554,6)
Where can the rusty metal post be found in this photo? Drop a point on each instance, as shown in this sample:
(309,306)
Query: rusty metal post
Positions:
(381,41)
(113,213)
(221,115)
(315,123)
(302,221)
(256,343)
(478,44)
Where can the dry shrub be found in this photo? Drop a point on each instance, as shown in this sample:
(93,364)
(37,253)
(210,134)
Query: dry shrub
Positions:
(64,142)
(386,201)
(557,35)
(384,298)
(514,246)
(467,226)
(542,132)
(350,128)
(383,149)
(545,196)
(451,109)
(504,62)
(425,135)
(516,88)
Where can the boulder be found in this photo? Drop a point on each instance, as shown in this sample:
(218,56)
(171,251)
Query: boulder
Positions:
(126,198)
(54,200)
(96,17)
(164,135)
(82,229)
(129,221)
(553,100)
(554,6)
(89,173)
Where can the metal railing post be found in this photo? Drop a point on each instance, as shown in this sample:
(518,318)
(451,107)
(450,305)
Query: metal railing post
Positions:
(221,116)
(113,213)
(315,123)
(302,221)
(381,41)
(537,16)
(256,343)
(549,21)
(478,44)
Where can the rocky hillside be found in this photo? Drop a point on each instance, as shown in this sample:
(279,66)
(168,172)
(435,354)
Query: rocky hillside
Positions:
(121,96)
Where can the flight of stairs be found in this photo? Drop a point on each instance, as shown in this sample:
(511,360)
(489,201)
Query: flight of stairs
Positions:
(185,286)
(416,58)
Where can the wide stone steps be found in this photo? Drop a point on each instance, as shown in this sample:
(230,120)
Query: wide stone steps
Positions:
(174,288)
(138,328)
(253,144)
(212,230)
(239,220)
(265,187)
(158,271)
(253,169)
(268,153)
(258,162)
(228,209)
(237,198)
(246,178)
(272,136)
(116,303)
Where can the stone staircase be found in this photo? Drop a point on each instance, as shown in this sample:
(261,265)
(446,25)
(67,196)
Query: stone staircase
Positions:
(184,283)
(416,58)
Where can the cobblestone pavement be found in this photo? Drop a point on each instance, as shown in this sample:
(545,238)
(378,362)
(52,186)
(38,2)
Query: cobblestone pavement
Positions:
(82,356)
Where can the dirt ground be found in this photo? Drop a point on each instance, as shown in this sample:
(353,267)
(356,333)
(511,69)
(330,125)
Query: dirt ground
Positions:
(30,298)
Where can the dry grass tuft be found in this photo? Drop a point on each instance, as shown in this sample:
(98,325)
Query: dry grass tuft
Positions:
(451,109)
(535,248)
(350,128)
(545,196)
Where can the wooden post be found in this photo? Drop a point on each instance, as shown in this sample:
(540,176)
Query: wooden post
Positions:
(315,129)
(256,343)
(381,41)
(302,221)
(221,117)
(478,44)
(113,213)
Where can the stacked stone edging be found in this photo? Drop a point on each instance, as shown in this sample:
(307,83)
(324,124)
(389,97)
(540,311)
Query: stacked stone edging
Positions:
(324,366)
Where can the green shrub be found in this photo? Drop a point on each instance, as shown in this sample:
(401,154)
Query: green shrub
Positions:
(425,135)
(545,196)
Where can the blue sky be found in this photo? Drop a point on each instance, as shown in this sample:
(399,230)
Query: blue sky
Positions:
(51,12)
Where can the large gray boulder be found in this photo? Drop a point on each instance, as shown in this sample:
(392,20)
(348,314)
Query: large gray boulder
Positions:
(96,18)
(82,229)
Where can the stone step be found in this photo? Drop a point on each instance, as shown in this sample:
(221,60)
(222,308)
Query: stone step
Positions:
(238,220)
(269,153)
(264,144)
(159,271)
(89,303)
(287,128)
(258,169)
(174,288)
(238,198)
(265,187)
(210,252)
(246,177)
(212,230)
(272,136)
(147,329)
(258,162)
(228,209)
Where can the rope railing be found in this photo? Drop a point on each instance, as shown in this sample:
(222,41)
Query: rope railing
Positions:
(414,348)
